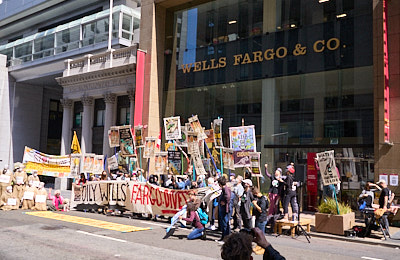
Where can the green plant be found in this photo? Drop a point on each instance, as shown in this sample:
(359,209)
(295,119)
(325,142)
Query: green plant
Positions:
(329,207)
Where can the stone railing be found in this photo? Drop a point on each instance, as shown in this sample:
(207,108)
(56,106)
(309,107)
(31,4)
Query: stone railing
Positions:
(109,59)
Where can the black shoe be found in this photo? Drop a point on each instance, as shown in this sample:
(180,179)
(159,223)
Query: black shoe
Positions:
(203,235)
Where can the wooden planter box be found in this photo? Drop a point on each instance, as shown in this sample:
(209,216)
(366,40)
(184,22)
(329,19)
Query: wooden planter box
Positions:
(334,224)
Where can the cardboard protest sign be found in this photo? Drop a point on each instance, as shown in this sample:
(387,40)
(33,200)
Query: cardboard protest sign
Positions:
(210,138)
(207,164)
(112,162)
(183,141)
(175,162)
(139,136)
(255,164)
(228,158)
(242,141)
(113,136)
(98,164)
(327,167)
(161,162)
(198,164)
(172,128)
(217,127)
(76,161)
(149,147)
(197,128)
(88,162)
(193,143)
(126,140)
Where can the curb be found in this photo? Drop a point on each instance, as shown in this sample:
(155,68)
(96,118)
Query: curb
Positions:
(357,240)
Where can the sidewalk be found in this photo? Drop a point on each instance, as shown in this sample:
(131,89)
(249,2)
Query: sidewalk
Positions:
(375,239)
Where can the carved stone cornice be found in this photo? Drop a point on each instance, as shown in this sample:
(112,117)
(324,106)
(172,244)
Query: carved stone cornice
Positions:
(110,98)
(66,103)
(131,94)
(87,101)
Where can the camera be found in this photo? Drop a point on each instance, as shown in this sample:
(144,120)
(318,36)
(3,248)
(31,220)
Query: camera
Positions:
(248,231)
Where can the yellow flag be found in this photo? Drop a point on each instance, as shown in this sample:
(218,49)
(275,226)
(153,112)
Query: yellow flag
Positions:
(75,147)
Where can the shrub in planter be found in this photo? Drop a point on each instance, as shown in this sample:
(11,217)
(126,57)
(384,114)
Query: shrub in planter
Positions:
(328,221)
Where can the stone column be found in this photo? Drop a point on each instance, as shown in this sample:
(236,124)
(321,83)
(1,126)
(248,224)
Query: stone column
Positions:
(87,124)
(109,99)
(66,126)
(131,95)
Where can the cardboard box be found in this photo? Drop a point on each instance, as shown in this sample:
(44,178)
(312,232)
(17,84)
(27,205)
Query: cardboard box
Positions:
(334,224)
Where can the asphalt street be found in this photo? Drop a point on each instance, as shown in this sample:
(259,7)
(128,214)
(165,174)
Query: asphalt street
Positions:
(24,236)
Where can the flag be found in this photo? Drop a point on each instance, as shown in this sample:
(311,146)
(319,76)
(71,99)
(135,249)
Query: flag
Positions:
(158,142)
(75,147)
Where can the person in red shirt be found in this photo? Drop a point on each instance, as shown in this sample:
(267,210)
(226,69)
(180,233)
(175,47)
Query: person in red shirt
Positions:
(195,220)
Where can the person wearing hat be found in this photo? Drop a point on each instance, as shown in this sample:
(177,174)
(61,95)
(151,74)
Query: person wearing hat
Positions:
(19,181)
(290,194)
(28,201)
(40,198)
(5,179)
(34,178)
(245,204)
(7,200)
(57,200)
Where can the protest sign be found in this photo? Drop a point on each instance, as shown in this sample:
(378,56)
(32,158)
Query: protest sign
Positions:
(217,127)
(255,164)
(76,160)
(183,141)
(172,128)
(175,161)
(327,167)
(5,178)
(112,162)
(139,136)
(210,138)
(113,136)
(126,140)
(98,164)
(394,180)
(40,198)
(228,158)
(197,128)
(161,162)
(198,164)
(193,143)
(88,162)
(242,141)
(149,147)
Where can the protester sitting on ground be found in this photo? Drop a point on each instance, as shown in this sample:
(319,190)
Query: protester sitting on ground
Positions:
(245,204)
(260,204)
(5,179)
(238,246)
(367,196)
(19,181)
(223,208)
(40,198)
(34,178)
(29,196)
(82,180)
(7,200)
(194,218)
(57,201)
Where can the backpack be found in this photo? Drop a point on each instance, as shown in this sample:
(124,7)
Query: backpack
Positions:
(203,216)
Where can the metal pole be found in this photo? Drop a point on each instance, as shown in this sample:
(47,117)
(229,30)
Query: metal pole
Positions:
(110,22)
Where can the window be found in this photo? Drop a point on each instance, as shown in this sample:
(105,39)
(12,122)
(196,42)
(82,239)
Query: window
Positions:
(100,118)
(124,116)
(68,39)
(44,46)
(78,119)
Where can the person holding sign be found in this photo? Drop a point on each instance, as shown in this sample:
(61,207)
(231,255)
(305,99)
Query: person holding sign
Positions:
(19,181)
(5,179)
(40,198)
(7,200)
(29,195)
(34,178)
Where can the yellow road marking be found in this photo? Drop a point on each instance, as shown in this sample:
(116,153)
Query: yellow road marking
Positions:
(87,221)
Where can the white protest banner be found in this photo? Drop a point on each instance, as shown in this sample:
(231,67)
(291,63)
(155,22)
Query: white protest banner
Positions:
(40,198)
(255,164)
(242,141)
(28,195)
(217,126)
(197,128)
(113,136)
(172,128)
(112,162)
(149,147)
(11,202)
(4,178)
(32,155)
(327,167)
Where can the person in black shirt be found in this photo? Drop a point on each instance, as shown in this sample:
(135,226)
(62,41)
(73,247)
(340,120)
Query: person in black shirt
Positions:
(385,199)
(260,209)
(246,200)
(290,191)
